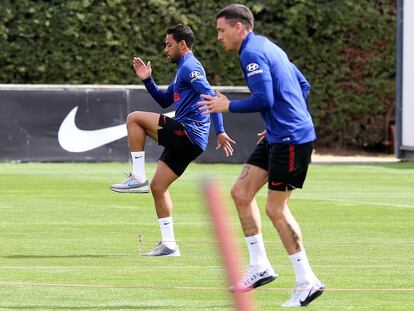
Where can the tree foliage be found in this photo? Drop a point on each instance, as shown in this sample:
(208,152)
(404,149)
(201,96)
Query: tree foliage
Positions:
(345,48)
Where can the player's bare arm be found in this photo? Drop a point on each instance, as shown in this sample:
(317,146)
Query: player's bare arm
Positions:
(142,70)
(218,103)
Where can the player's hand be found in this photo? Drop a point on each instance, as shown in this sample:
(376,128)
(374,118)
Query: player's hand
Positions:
(261,135)
(143,71)
(218,103)
(224,142)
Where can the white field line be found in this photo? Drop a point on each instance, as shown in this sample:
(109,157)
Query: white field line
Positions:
(358,202)
(195,288)
(309,242)
(146,242)
(108,266)
(209,268)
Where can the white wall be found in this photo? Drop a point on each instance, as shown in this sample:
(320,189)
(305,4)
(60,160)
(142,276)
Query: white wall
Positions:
(408,76)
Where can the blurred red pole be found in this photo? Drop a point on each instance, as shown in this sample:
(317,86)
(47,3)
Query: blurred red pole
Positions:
(226,236)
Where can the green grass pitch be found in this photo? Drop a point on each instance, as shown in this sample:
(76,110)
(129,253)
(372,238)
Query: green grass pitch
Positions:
(68,242)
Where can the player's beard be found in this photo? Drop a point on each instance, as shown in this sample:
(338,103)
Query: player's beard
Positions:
(174,58)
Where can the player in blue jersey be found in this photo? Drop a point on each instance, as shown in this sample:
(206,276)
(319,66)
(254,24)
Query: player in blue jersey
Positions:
(185,137)
(282,155)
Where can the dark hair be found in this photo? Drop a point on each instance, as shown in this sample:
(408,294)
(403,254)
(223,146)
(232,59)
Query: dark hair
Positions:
(237,13)
(182,32)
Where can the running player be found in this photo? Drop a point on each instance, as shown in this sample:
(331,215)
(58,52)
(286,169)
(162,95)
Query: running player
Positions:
(281,158)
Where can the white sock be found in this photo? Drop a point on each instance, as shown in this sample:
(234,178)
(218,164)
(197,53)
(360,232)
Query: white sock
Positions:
(257,252)
(138,165)
(167,232)
(303,270)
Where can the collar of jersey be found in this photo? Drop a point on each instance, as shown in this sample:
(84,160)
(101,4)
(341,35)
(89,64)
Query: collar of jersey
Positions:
(184,58)
(245,40)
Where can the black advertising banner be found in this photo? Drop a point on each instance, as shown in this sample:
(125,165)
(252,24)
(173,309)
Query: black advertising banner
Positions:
(47,123)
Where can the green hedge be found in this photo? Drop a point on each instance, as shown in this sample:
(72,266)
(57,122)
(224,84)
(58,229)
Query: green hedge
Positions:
(346,49)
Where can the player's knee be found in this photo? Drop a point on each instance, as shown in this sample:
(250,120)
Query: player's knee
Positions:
(275,213)
(133,118)
(240,196)
(156,187)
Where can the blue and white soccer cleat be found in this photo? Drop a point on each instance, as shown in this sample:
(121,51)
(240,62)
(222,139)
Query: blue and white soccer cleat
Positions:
(162,250)
(303,294)
(255,277)
(131,185)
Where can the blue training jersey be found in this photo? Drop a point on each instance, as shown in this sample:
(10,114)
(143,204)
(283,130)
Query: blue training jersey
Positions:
(189,83)
(279,92)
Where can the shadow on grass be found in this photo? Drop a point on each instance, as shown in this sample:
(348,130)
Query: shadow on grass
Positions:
(122,307)
(395,165)
(399,165)
(63,256)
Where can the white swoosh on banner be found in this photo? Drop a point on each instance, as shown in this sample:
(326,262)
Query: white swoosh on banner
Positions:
(73,139)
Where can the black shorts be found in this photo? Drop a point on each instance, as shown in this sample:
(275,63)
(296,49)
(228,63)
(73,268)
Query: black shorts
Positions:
(286,164)
(179,150)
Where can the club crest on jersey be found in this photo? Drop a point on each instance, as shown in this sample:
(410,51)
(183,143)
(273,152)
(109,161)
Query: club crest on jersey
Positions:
(194,75)
(253,69)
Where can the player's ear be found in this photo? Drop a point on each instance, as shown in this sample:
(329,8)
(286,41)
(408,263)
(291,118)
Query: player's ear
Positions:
(182,44)
(239,26)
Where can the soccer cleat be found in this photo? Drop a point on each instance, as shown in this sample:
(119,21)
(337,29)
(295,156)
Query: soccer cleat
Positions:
(162,250)
(131,185)
(253,278)
(304,294)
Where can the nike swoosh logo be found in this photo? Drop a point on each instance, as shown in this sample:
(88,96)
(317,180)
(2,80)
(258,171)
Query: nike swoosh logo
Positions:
(73,139)
(304,301)
(263,273)
(276,183)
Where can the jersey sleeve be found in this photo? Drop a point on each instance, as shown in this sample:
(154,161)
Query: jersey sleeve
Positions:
(304,84)
(163,99)
(196,77)
(217,119)
(257,74)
